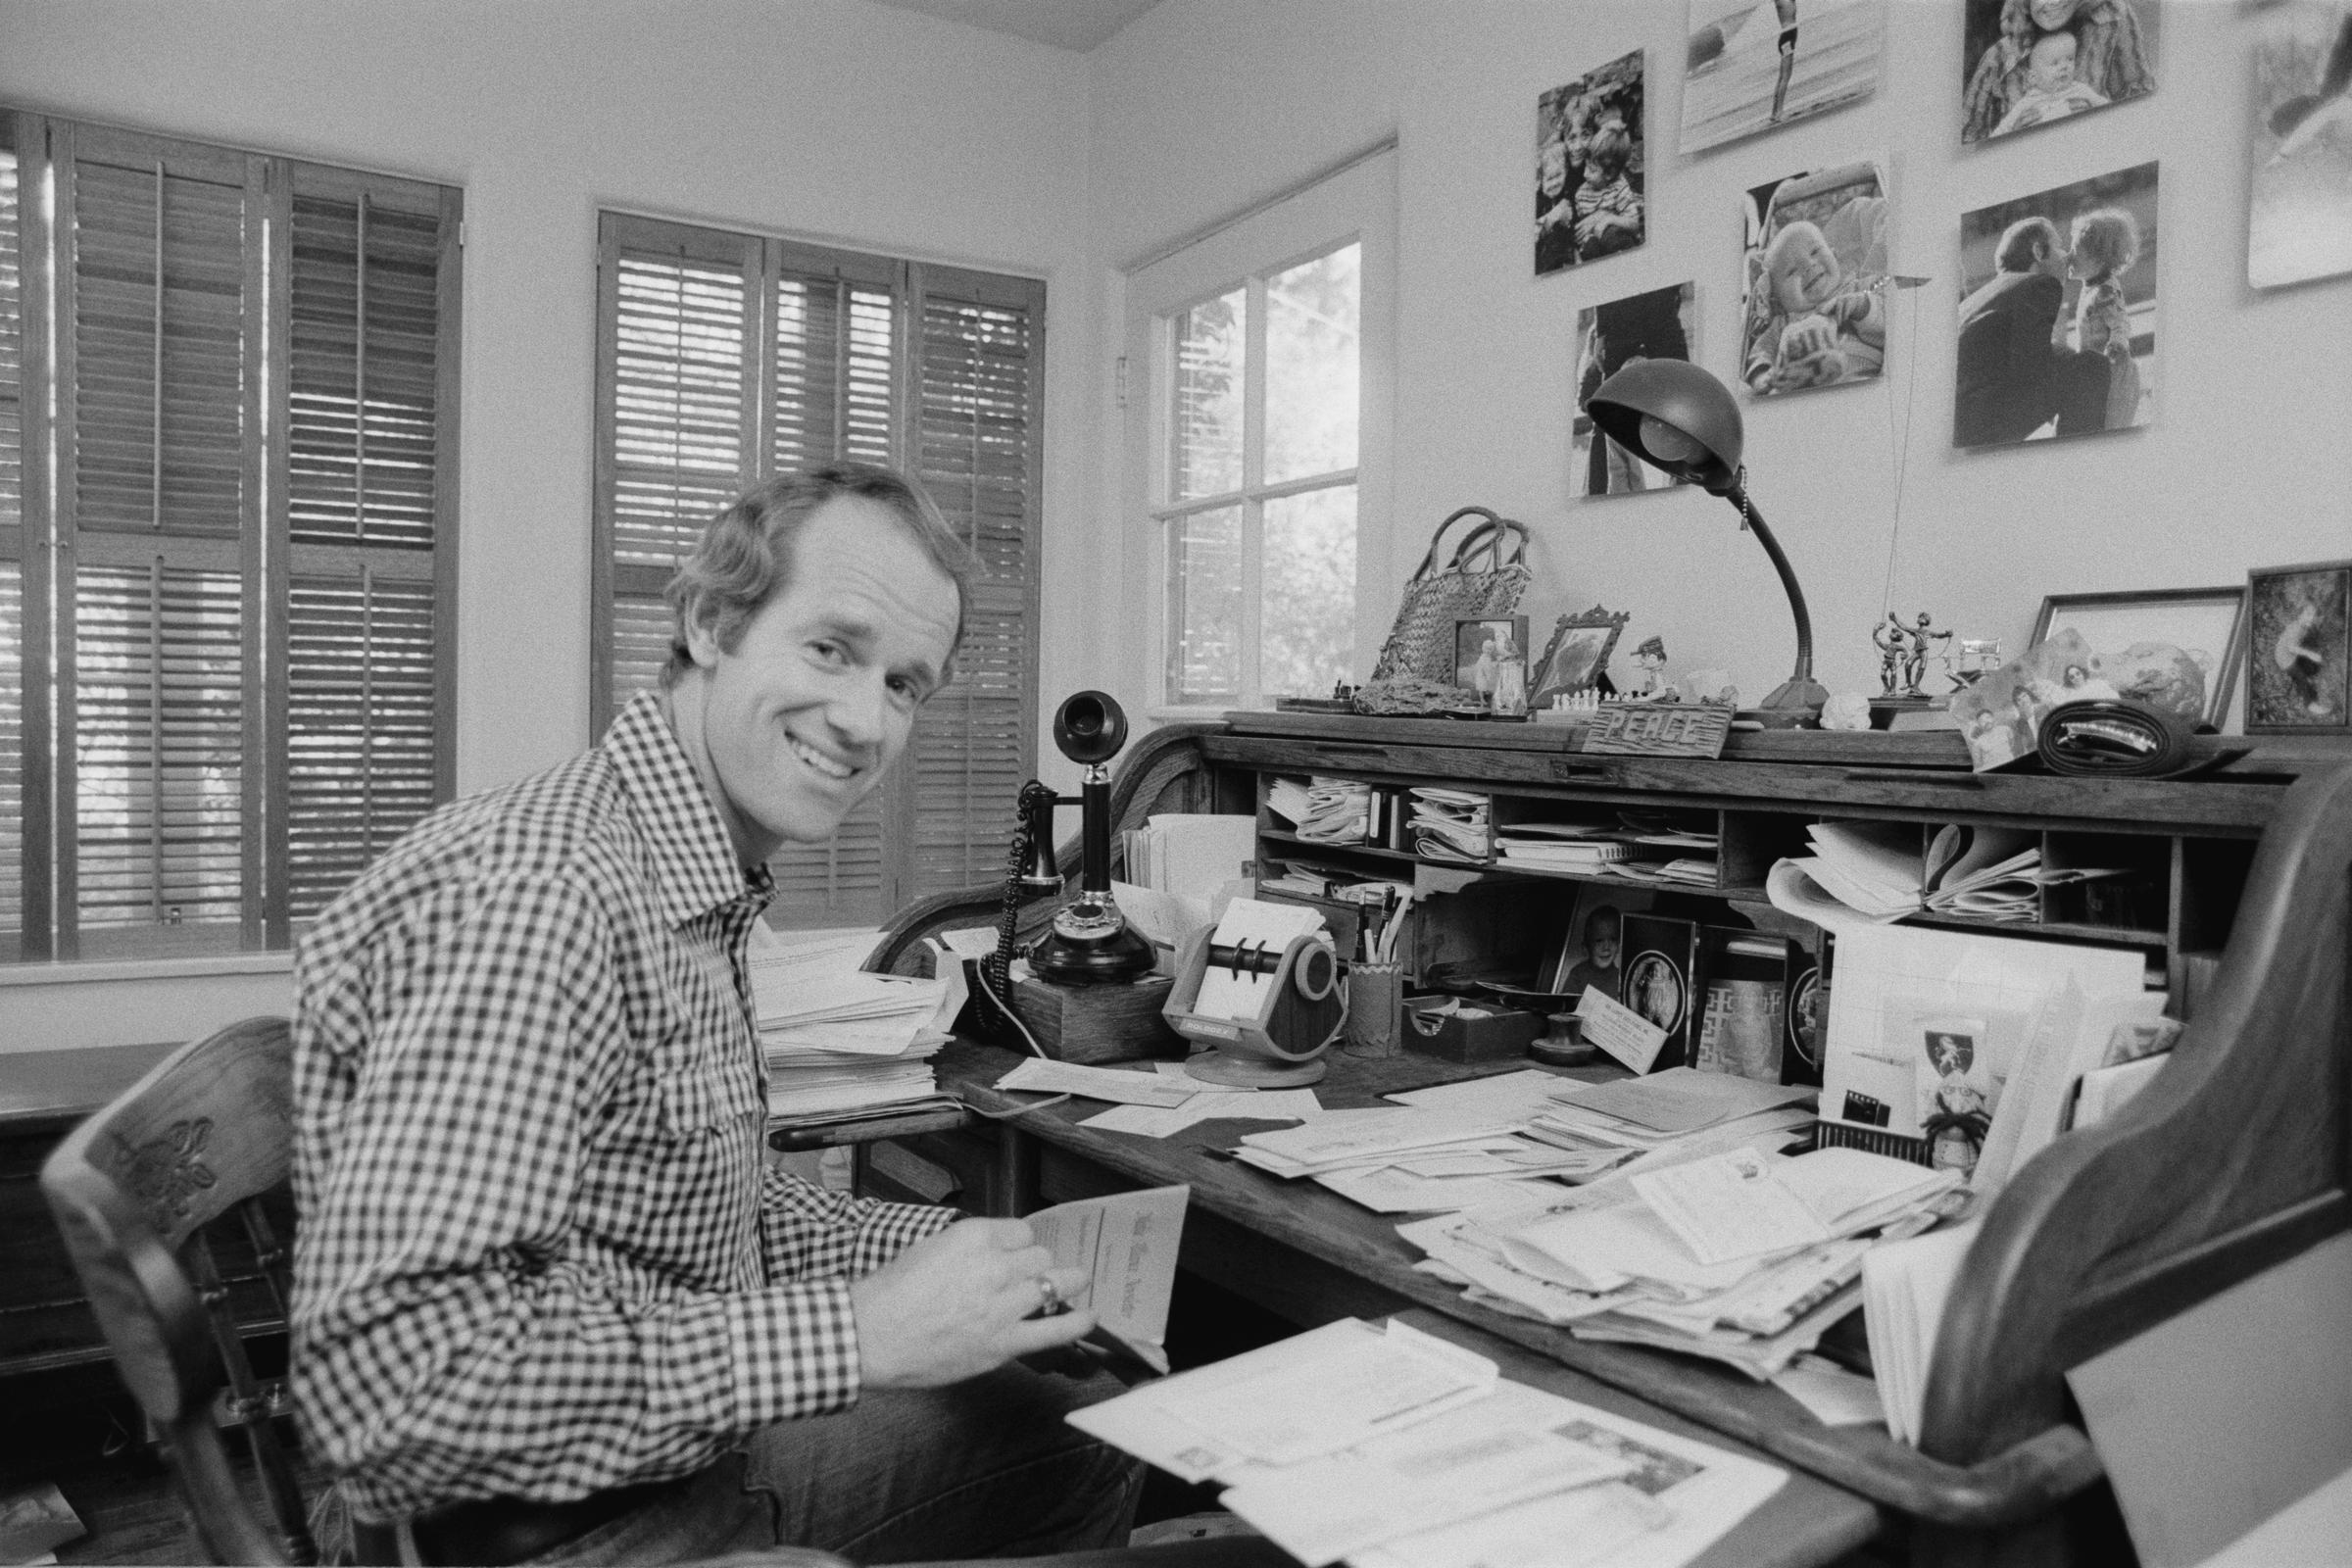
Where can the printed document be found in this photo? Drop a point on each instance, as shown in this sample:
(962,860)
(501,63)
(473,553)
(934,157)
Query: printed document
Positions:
(1126,1243)
(1036,1076)
(1730,1206)
(1329,1388)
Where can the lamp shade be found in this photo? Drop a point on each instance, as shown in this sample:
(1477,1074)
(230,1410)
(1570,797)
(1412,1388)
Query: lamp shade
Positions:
(1687,401)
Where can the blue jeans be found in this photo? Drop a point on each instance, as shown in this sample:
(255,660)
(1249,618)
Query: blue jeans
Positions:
(985,1468)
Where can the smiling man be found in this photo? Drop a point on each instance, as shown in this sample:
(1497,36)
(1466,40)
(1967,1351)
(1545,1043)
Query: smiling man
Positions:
(549,1303)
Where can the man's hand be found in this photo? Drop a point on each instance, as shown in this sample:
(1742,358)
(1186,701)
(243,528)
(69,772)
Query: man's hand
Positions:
(957,1304)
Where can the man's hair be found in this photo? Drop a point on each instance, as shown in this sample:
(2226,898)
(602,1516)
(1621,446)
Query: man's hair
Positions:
(1612,148)
(2015,254)
(745,555)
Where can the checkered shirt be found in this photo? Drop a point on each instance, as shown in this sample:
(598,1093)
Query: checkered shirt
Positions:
(540,1252)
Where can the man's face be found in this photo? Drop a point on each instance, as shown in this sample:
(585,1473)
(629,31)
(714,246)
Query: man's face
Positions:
(2054,258)
(1807,274)
(820,692)
(2052,64)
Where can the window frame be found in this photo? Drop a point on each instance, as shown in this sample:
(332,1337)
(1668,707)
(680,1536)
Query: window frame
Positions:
(59,538)
(1352,203)
(910,835)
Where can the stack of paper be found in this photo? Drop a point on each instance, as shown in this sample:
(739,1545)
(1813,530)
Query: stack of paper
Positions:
(840,1040)
(1742,1257)
(1690,870)
(1414,1160)
(1561,846)
(1450,824)
(1338,811)
(1675,1115)
(1880,870)
(1904,1287)
(1396,1450)
(1193,853)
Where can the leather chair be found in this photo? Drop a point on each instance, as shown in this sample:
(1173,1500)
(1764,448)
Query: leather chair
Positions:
(173,1205)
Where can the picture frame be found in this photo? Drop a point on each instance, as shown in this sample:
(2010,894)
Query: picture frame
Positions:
(1578,654)
(1476,638)
(2299,648)
(2200,621)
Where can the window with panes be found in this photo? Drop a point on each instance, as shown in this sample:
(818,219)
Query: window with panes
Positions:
(725,358)
(228,511)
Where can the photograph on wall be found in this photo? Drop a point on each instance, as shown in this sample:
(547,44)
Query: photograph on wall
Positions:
(1754,65)
(2299,653)
(2058,313)
(1816,291)
(2300,204)
(1660,323)
(1589,168)
(2032,62)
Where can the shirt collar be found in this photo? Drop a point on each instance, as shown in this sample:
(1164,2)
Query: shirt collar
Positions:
(694,863)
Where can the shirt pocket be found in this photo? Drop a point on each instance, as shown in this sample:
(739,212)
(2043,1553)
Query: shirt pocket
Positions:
(718,1090)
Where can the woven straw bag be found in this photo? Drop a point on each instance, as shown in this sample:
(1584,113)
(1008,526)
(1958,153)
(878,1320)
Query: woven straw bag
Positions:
(1483,576)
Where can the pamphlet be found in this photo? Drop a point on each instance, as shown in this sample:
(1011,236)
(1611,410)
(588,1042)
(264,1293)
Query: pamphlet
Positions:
(1619,1029)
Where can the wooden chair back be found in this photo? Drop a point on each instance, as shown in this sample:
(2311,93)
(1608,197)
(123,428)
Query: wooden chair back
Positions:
(141,1191)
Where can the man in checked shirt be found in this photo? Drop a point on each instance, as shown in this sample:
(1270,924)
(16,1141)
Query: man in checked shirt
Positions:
(549,1303)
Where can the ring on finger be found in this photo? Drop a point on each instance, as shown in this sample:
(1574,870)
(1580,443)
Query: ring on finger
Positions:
(1049,1296)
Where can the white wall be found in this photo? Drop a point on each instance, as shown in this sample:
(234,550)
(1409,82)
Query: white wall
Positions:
(1205,107)
(832,120)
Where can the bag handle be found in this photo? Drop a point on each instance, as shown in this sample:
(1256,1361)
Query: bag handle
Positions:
(1486,537)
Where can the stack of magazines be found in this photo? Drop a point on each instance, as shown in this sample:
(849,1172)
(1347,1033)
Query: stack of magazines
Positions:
(1450,824)
(841,1043)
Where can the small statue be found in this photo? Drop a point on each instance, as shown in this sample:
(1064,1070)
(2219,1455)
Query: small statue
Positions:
(1650,683)
(1903,654)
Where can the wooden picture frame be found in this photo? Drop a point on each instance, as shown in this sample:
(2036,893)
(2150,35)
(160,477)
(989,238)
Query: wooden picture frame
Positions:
(1577,655)
(2196,620)
(2299,648)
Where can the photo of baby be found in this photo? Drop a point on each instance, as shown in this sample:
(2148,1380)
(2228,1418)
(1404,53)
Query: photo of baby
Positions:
(2036,62)
(1817,285)
(1589,168)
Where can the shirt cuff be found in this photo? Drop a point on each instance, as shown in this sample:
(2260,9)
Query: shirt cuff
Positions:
(793,1353)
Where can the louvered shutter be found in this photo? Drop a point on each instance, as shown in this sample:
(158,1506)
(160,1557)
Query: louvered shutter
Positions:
(832,395)
(14,893)
(979,448)
(677,418)
(159,445)
(369,442)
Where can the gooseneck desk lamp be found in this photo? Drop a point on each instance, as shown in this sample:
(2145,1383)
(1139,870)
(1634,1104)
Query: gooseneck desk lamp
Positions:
(1680,420)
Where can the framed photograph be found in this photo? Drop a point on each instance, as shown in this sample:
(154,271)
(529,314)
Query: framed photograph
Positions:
(1484,647)
(1578,654)
(1589,170)
(1815,313)
(2299,191)
(2300,649)
(2058,311)
(2208,624)
(2032,63)
(1660,325)
(1755,65)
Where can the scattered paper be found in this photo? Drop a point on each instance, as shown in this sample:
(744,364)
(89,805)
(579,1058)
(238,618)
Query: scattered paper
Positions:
(1681,1100)
(1261,1105)
(1835,1397)
(1389,1190)
(1036,1075)
(1504,1097)
(1904,1287)
(1729,1207)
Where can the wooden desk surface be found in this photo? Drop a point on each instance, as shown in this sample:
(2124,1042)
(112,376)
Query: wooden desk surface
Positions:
(1364,1251)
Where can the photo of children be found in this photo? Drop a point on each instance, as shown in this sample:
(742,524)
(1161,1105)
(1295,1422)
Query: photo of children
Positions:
(2058,311)
(1589,168)
(1658,324)
(2036,62)
(1753,65)
(2299,658)
(2000,717)
(1817,284)
(2299,217)
(1489,657)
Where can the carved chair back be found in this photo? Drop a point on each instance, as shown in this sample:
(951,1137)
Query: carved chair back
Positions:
(143,1193)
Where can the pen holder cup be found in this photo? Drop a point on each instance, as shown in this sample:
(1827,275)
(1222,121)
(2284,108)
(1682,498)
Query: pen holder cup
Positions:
(1375,1010)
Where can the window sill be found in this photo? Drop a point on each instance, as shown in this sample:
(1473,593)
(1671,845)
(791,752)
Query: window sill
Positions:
(99,972)
(1167,714)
